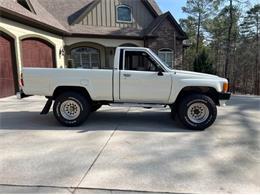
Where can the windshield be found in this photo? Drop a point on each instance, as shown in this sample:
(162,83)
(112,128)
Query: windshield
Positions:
(160,61)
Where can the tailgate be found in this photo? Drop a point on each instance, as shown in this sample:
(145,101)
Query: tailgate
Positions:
(36,81)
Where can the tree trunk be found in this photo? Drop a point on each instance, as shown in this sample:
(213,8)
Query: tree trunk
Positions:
(217,58)
(198,34)
(229,38)
(257,80)
(244,80)
(235,79)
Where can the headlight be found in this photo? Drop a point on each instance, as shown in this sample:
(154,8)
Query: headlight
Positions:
(225,87)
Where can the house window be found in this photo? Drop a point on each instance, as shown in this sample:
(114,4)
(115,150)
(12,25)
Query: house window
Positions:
(166,56)
(124,14)
(85,57)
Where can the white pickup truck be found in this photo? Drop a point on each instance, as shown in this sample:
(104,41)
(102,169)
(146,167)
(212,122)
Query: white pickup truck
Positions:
(138,77)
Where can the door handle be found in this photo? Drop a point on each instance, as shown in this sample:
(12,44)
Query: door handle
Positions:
(127,75)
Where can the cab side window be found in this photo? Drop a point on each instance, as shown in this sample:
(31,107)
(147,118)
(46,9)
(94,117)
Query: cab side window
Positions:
(140,61)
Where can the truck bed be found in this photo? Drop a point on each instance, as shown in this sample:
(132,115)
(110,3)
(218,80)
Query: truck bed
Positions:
(43,81)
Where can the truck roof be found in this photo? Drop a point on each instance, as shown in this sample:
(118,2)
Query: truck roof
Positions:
(134,48)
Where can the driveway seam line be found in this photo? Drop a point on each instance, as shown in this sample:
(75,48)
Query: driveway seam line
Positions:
(82,188)
(100,152)
(35,186)
(95,160)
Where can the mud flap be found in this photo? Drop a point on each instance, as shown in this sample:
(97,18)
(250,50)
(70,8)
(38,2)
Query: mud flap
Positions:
(47,107)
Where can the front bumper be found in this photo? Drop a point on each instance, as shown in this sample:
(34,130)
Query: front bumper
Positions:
(223,98)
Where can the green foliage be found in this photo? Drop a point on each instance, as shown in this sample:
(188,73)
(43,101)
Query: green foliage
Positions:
(225,41)
(202,63)
(199,11)
(201,7)
(217,27)
(190,27)
(251,22)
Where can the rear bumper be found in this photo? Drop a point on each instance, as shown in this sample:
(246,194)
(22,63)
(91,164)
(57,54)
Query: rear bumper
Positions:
(223,98)
(21,95)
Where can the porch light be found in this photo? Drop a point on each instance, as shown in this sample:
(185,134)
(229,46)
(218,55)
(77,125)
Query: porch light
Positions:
(62,51)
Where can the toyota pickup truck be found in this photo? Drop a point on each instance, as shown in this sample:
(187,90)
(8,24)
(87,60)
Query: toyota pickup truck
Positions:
(139,78)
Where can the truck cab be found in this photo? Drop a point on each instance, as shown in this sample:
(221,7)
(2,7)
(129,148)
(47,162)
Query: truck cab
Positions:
(140,77)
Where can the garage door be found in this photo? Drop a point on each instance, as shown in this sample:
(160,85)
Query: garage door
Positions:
(38,53)
(8,70)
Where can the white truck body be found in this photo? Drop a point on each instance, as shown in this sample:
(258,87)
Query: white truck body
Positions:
(138,77)
(119,85)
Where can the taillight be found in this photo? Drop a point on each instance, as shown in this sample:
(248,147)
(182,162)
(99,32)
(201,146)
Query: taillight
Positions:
(21,80)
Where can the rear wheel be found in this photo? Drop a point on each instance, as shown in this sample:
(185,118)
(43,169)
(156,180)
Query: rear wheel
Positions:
(173,111)
(197,112)
(71,109)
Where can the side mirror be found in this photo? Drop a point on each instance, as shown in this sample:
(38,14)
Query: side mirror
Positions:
(160,73)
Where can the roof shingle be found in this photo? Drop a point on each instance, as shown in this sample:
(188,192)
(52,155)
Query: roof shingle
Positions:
(101,30)
(41,15)
(155,6)
(65,10)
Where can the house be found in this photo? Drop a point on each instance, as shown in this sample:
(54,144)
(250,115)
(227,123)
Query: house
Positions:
(80,34)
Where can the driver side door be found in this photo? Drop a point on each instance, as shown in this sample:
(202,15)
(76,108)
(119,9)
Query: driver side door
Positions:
(142,80)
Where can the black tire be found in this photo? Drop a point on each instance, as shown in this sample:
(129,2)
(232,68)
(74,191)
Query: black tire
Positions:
(173,112)
(189,109)
(79,101)
(95,107)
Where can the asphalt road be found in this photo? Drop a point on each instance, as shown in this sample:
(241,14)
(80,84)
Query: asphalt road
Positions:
(128,150)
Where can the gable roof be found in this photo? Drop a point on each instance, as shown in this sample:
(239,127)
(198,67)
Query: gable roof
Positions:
(40,16)
(79,15)
(57,16)
(70,12)
(153,6)
(66,11)
(159,20)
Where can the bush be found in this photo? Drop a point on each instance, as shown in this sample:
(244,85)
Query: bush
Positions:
(203,64)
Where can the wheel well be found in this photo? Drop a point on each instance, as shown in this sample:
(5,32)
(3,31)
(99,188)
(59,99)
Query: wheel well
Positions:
(209,91)
(81,90)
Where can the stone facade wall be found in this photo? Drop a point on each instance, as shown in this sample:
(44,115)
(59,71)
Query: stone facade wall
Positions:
(166,38)
(179,54)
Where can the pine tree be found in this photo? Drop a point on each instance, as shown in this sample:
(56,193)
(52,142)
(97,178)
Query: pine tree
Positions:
(203,64)
(250,29)
(199,10)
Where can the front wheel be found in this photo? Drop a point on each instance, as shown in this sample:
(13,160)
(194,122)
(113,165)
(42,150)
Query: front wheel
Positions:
(197,112)
(71,109)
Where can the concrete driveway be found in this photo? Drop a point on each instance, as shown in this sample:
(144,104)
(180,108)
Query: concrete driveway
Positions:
(128,150)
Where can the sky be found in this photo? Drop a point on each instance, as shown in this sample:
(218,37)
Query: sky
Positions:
(174,6)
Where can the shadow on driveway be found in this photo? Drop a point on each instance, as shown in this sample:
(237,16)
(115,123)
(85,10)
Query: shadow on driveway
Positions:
(137,119)
(103,120)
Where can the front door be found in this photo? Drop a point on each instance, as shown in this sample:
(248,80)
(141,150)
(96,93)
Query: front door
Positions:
(142,80)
